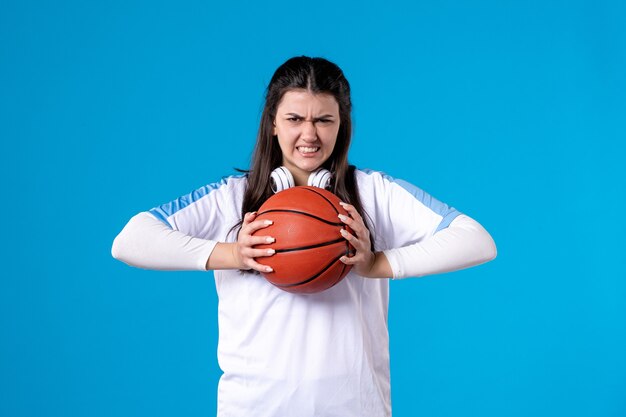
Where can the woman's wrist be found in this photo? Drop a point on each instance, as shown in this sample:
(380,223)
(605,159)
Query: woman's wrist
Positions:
(223,257)
(380,267)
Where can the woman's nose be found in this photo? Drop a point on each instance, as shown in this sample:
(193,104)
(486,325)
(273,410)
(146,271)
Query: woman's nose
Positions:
(309,131)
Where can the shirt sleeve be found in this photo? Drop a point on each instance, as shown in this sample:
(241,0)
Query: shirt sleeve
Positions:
(147,242)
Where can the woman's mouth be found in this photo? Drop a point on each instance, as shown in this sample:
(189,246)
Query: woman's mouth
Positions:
(308,149)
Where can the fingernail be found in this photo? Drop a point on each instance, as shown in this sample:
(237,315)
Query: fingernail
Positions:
(270,240)
(268,222)
(342,203)
(271,251)
(343,232)
(342,217)
(269,269)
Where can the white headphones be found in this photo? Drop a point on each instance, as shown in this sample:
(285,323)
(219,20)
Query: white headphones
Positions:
(281,179)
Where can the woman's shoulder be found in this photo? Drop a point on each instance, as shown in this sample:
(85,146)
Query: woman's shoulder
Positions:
(232,184)
(380,183)
(235,180)
(227,183)
(228,189)
(367,176)
(381,186)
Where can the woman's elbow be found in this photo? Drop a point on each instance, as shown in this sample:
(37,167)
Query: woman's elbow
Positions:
(491,251)
(484,247)
(125,238)
(116,248)
(119,247)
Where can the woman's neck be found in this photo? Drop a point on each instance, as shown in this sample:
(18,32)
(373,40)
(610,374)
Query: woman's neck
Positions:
(301,177)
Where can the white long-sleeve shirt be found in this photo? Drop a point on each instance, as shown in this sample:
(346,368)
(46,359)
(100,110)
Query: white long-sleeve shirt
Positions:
(323,354)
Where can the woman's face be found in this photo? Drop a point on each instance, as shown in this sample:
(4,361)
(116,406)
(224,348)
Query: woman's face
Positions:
(306,125)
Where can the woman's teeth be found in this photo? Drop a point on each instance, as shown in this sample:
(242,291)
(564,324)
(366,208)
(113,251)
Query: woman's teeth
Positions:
(306,149)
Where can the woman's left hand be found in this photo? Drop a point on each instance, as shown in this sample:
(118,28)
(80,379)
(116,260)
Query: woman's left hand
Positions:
(363,260)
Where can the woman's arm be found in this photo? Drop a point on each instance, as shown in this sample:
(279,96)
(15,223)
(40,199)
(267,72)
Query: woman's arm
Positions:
(463,244)
(146,242)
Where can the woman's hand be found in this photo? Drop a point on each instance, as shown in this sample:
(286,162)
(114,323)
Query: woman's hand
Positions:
(241,254)
(243,251)
(364,258)
(364,262)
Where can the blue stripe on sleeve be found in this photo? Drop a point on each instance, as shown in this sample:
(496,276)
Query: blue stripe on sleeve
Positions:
(446,212)
(164,211)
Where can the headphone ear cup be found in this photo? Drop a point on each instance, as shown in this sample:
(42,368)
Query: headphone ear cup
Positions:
(281,179)
(320,178)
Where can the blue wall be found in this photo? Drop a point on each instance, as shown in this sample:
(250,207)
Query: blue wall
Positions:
(513,112)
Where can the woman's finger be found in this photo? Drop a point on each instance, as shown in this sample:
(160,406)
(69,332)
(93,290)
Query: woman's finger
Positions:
(348,236)
(247,254)
(255,225)
(248,217)
(250,253)
(259,267)
(259,240)
(345,219)
(356,224)
(357,244)
(352,211)
(349,260)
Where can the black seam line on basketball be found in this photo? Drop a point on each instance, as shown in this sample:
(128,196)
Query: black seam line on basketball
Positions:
(343,268)
(313,277)
(321,195)
(299,212)
(343,226)
(319,245)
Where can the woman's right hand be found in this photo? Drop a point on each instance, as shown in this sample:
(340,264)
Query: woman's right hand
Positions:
(244,252)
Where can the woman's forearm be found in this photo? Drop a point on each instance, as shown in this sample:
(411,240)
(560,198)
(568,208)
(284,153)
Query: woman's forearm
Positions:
(464,243)
(146,242)
(223,257)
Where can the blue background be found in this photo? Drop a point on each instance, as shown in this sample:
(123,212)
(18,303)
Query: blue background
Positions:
(513,112)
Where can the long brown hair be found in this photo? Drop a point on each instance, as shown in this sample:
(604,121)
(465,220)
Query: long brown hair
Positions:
(317,75)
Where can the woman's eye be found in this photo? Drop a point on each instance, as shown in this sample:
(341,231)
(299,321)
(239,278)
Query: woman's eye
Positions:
(293,119)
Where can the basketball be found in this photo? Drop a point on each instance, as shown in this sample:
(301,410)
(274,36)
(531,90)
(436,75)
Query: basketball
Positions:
(308,240)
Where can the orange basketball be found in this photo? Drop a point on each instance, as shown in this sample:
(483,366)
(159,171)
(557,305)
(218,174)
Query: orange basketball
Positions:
(308,240)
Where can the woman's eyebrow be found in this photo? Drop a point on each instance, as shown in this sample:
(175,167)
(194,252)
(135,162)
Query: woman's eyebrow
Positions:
(324,116)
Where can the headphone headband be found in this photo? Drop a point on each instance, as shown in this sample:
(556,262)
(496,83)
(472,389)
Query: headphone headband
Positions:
(281,179)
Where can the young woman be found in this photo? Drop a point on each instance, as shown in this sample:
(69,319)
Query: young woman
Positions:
(323,354)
